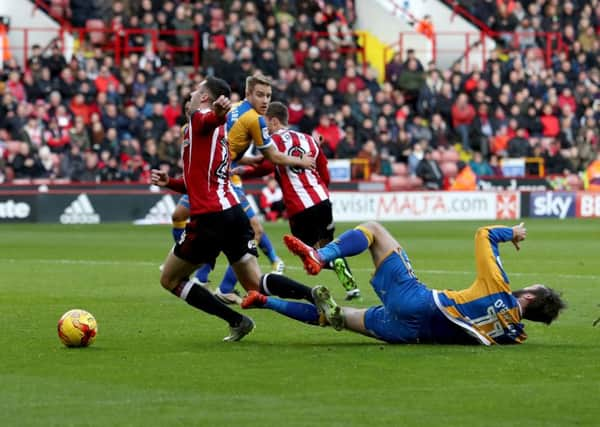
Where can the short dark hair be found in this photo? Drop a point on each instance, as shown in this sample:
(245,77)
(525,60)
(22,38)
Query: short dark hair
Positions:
(546,305)
(184,102)
(217,87)
(279,111)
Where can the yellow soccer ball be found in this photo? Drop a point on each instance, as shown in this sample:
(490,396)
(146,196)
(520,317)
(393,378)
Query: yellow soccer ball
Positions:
(77,328)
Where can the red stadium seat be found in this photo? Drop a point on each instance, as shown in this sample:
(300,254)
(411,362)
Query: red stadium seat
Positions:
(436,155)
(415,183)
(450,156)
(449,169)
(378,178)
(97,37)
(400,169)
(399,182)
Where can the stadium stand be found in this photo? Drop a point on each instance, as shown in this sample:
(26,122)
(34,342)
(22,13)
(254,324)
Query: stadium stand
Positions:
(111,114)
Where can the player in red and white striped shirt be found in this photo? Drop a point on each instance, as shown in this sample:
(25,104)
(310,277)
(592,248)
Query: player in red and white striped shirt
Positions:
(217,223)
(305,191)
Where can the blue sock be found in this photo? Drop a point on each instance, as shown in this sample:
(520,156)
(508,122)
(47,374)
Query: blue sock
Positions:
(229,280)
(266,246)
(300,311)
(177,232)
(202,273)
(351,242)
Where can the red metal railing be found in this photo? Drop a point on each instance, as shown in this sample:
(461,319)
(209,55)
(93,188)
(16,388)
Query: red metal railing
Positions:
(551,42)
(357,46)
(119,43)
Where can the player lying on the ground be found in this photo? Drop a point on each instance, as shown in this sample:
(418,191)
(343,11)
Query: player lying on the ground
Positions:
(488,312)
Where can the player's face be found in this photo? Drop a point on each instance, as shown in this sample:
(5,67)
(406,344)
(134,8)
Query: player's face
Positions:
(260,97)
(270,124)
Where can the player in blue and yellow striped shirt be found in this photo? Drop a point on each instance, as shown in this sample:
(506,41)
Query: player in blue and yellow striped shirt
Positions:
(488,312)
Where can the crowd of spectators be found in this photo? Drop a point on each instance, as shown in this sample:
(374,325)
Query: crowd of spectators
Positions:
(89,118)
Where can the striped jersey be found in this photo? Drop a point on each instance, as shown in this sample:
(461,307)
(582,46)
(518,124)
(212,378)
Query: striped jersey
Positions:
(487,309)
(206,162)
(302,188)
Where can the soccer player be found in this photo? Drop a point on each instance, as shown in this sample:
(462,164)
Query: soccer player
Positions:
(217,223)
(305,192)
(246,125)
(488,312)
(181,214)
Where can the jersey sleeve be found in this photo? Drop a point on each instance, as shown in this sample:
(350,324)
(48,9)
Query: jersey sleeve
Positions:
(487,255)
(177,184)
(257,128)
(205,123)
(322,168)
(263,168)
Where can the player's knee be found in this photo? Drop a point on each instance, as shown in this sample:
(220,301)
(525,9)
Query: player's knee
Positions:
(178,216)
(167,282)
(373,227)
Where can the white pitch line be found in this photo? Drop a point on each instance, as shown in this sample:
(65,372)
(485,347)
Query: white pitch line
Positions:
(287,267)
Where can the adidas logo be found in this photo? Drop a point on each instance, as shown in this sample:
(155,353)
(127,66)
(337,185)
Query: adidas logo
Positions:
(80,211)
(160,213)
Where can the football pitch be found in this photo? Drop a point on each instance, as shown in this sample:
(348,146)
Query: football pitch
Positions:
(158,362)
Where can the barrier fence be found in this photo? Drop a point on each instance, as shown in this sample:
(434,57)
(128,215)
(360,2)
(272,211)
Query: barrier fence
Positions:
(89,207)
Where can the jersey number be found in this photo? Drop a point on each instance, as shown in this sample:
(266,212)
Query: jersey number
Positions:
(222,171)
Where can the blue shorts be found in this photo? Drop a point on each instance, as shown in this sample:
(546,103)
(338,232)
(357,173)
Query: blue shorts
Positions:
(244,201)
(408,304)
(408,313)
(184,201)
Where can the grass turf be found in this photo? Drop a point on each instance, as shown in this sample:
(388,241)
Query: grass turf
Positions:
(157,361)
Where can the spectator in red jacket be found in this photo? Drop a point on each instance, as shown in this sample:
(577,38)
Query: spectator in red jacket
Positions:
(105,79)
(57,139)
(463,114)
(550,123)
(351,77)
(172,111)
(331,134)
(15,87)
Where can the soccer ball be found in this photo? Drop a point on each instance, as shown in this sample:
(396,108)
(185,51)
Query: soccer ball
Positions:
(77,328)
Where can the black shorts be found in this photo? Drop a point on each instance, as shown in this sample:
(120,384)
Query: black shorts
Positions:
(314,224)
(207,235)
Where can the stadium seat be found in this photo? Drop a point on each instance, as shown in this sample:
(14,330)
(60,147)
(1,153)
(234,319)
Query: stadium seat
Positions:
(415,183)
(450,156)
(12,147)
(449,169)
(399,182)
(95,29)
(436,155)
(400,169)
(59,8)
(378,178)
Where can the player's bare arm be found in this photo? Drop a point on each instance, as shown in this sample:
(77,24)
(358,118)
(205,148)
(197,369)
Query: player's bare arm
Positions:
(275,156)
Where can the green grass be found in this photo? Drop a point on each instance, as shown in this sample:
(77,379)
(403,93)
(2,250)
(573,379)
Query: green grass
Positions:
(157,361)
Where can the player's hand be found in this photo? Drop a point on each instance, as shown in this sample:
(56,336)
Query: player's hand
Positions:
(238,170)
(159,178)
(308,162)
(519,234)
(222,105)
